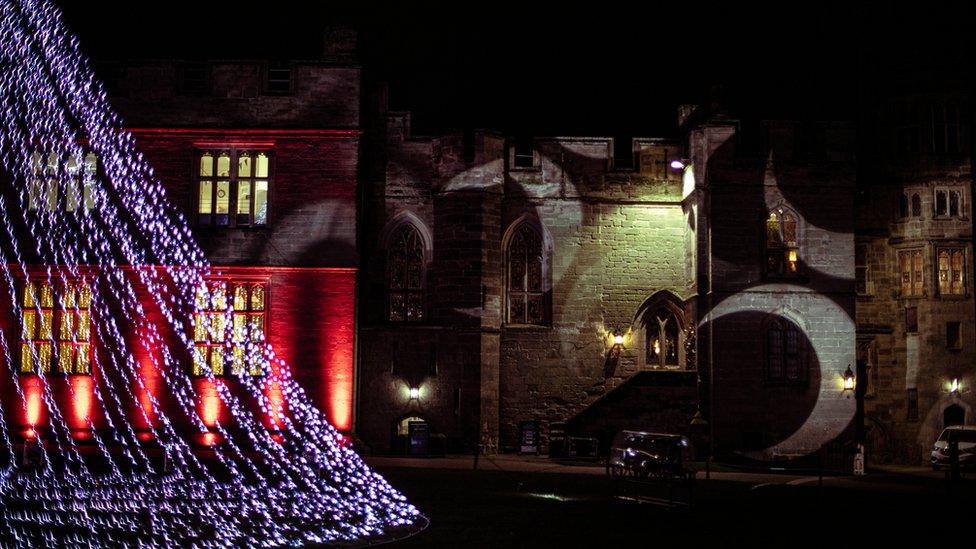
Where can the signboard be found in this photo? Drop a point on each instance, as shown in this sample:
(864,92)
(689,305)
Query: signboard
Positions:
(557,439)
(529,437)
(418,438)
(583,448)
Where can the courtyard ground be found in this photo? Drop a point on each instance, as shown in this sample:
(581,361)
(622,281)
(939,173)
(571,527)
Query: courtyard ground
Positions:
(512,501)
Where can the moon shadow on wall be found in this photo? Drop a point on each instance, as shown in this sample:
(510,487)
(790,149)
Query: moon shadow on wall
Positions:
(772,387)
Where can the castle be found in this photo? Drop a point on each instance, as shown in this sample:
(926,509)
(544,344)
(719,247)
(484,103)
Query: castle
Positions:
(474,282)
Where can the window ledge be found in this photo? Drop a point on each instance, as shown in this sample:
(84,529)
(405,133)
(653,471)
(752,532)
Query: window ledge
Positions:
(786,384)
(799,278)
(216,229)
(53,374)
(526,327)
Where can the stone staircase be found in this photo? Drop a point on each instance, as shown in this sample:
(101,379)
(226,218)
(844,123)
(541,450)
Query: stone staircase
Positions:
(660,401)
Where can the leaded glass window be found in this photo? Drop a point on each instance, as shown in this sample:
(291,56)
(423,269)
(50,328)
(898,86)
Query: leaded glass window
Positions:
(526,271)
(62,183)
(782,247)
(910,268)
(229,326)
(786,353)
(55,328)
(952,271)
(662,339)
(405,275)
(233,188)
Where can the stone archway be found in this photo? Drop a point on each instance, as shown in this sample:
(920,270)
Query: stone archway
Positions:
(954,414)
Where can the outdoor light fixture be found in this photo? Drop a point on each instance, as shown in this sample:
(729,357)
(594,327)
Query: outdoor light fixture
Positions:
(849,380)
(618,338)
(679,163)
(954,386)
(414,393)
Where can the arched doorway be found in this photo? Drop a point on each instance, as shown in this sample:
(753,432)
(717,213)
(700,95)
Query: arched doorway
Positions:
(953,415)
(411,435)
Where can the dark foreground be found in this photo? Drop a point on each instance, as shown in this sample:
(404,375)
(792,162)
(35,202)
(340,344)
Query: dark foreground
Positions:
(504,504)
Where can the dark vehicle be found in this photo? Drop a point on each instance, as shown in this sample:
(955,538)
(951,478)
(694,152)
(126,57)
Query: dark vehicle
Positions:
(642,455)
(965,435)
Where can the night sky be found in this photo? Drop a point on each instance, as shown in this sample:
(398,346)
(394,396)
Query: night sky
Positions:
(606,68)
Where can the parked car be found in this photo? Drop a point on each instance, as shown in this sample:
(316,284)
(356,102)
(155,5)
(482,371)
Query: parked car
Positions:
(641,454)
(966,437)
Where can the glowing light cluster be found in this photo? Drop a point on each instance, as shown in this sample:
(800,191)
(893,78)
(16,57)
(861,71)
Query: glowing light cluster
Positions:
(281,475)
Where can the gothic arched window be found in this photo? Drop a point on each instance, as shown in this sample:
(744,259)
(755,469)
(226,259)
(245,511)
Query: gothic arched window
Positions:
(662,338)
(786,353)
(405,275)
(782,243)
(526,276)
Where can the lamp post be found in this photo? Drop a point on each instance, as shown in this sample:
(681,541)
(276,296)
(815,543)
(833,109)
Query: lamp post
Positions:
(700,424)
(860,389)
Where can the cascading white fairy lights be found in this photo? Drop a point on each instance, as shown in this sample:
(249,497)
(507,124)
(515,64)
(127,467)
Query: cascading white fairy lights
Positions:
(301,487)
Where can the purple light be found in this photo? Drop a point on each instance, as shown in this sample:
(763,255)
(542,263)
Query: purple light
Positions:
(303,486)
(677,164)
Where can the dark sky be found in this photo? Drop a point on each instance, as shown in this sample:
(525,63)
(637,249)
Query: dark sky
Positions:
(604,68)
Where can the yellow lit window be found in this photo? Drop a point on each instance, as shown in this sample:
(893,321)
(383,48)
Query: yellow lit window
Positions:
(55,328)
(952,271)
(44,192)
(782,244)
(212,334)
(233,188)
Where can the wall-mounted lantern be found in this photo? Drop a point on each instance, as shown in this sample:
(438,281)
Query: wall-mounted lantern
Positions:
(850,380)
(415,393)
(615,340)
(954,386)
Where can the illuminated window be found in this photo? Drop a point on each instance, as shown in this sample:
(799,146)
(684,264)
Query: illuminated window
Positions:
(55,328)
(786,353)
(526,277)
(952,271)
(910,267)
(405,275)
(221,339)
(862,283)
(233,188)
(948,201)
(67,185)
(782,246)
(662,338)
